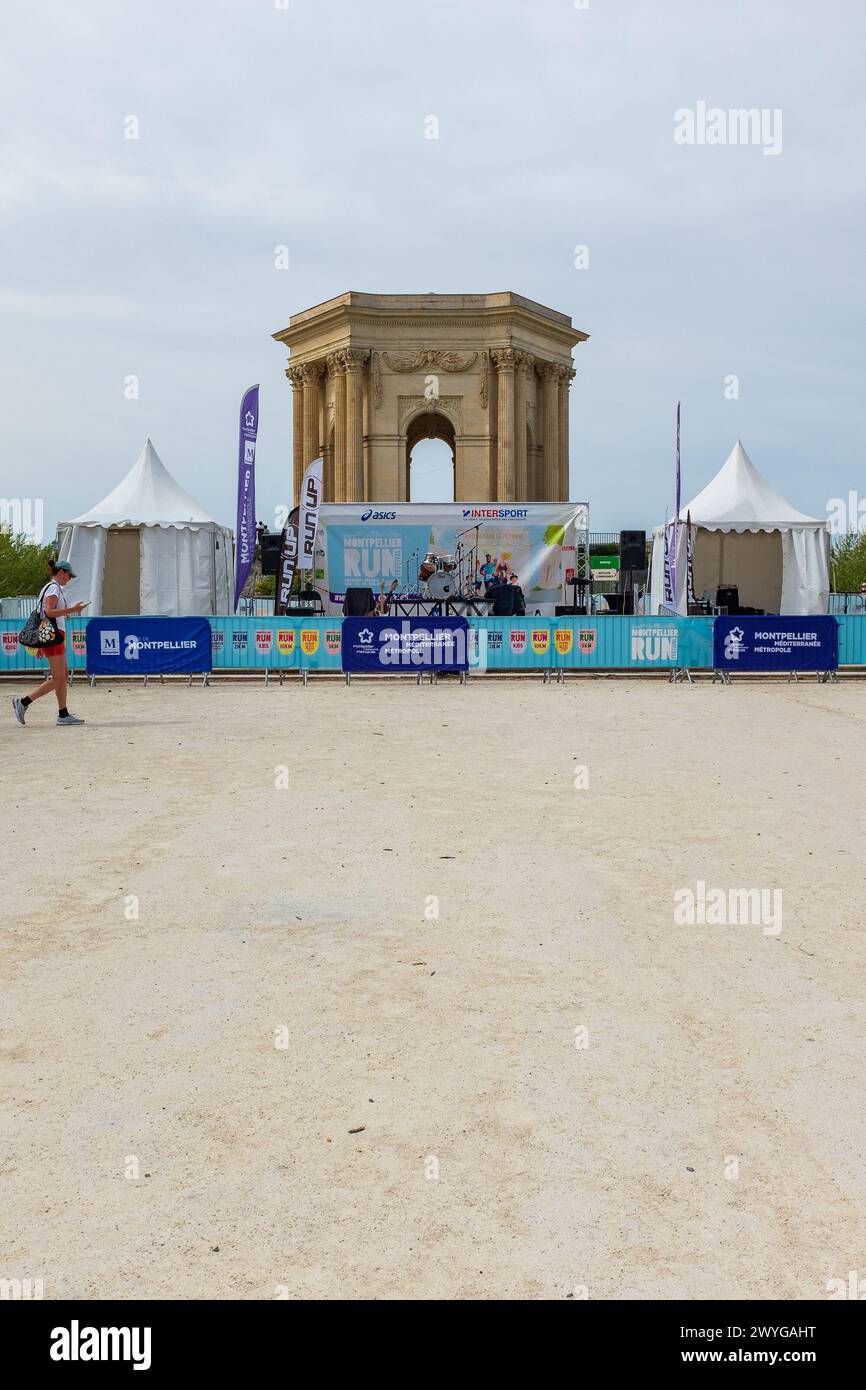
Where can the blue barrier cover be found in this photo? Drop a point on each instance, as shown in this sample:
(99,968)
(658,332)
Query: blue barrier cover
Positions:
(385,646)
(276,644)
(852,640)
(567,643)
(14,657)
(573,643)
(775,643)
(139,646)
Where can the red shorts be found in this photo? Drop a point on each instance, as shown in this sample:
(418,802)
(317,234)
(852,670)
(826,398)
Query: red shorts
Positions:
(55,649)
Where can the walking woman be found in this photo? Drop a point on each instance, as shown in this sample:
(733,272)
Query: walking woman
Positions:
(53,605)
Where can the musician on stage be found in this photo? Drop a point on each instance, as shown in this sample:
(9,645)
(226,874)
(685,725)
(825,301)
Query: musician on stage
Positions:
(519,600)
(384,601)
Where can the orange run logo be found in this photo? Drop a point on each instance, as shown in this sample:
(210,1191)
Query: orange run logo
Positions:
(309,640)
(564,637)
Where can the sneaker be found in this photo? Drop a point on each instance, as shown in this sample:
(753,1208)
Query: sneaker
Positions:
(66,719)
(20,710)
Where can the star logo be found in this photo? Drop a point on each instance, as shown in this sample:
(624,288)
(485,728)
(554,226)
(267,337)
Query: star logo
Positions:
(365,636)
(250,420)
(737,634)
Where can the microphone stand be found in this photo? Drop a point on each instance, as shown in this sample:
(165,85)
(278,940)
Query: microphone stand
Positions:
(473,555)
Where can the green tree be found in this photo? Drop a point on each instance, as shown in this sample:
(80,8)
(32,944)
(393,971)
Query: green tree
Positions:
(848,562)
(23,565)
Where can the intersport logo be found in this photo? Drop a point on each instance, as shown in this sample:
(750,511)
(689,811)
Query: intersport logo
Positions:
(496,513)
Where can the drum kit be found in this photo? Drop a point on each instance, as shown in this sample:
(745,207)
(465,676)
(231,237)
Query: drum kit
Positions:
(441,577)
(438,576)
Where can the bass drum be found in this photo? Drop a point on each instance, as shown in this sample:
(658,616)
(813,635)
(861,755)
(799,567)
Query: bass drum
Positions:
(442,585)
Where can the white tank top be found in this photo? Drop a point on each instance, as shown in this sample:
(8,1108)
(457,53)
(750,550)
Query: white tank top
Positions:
(53,588)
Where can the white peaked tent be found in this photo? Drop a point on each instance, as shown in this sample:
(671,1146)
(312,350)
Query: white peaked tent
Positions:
(148,547)
(746,535)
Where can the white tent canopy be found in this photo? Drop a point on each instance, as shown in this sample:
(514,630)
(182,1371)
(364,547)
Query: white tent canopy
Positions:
(746,535)
(148,547)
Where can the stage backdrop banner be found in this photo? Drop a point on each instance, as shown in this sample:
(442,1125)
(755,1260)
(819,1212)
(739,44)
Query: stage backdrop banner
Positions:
(391,646)
(775,643)
(148,646)
(368,547)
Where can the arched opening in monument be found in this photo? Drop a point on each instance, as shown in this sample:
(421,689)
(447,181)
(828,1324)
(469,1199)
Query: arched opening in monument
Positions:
(431,454)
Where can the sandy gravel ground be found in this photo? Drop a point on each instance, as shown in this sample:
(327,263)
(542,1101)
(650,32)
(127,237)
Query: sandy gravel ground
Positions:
(497,1159)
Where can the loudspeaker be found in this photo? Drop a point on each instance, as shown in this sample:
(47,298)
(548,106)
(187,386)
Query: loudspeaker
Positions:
(563,610)
(728,597)
(270,551)
(357,603)
(632,550)
(614,602)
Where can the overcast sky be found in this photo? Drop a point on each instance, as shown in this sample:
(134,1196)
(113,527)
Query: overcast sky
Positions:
(304,126)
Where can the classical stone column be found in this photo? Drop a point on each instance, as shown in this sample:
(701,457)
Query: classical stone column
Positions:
(296,378)
(505,363)
(550,392)
(566,375)
(337,368)
(312,373)
(525,369)
(354,379)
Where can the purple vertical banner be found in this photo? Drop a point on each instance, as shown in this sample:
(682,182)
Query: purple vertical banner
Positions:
(677,504)
(245,535)
(669,593)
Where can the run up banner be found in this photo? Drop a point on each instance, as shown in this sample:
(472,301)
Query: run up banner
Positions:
(774,643)
(388,646)
(148,646)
